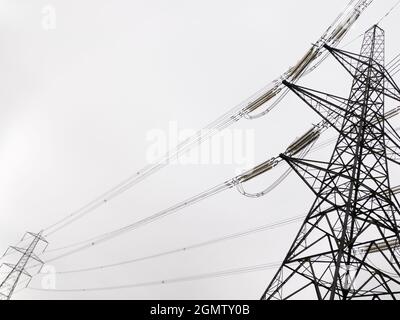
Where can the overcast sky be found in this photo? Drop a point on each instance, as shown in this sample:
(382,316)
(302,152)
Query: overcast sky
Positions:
(80,94)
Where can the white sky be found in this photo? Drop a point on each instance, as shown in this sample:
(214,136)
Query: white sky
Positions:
(78,101)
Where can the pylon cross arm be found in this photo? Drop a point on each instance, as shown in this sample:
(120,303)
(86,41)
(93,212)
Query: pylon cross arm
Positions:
(348,60)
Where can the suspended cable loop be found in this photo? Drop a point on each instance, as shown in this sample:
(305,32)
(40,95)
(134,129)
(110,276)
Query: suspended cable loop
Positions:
(240,188)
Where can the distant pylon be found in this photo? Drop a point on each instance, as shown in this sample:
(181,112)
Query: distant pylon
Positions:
(347,246)
(10,282)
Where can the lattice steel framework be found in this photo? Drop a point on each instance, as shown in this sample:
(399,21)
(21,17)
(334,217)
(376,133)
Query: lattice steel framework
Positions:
(346,247)
(10,282)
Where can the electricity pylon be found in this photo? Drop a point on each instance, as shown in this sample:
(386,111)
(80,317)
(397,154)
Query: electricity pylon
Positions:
(10,282)
(347,246)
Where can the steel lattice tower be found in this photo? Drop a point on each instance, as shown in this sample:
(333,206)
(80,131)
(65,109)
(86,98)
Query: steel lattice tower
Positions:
(346,247)
(10,282)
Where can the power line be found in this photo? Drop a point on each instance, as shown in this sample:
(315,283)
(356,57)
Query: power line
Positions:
(228,184)
(333,35)
(232,236)
(389,12)
(88,243)
(218,274)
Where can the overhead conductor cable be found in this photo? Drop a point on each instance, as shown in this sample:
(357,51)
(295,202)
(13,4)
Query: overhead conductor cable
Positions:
(269,96)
